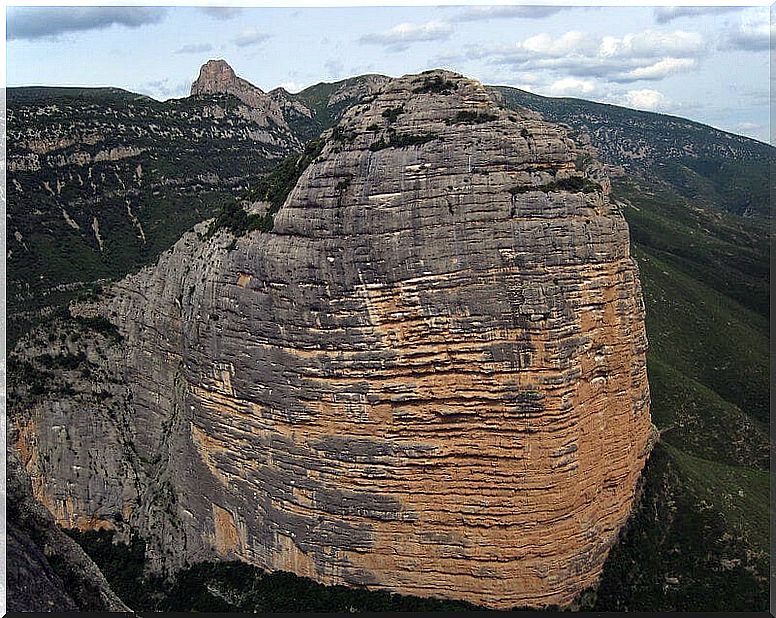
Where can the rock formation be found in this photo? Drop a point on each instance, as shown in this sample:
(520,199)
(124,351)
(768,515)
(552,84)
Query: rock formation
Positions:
(34,544)
(429,377)
(217,77)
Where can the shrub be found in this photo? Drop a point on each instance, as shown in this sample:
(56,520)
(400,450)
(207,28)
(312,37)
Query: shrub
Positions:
(343,184)
(63,361)
(379,144)
(574,184)
(582,161)
(338,134)
(392,113)
(436,84)
(99,324)
(470,117)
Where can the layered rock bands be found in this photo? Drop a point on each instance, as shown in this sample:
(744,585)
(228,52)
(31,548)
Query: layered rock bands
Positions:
(429,377)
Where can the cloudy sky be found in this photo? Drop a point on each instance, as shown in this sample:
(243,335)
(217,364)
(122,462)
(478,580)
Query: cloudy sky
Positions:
(709,64)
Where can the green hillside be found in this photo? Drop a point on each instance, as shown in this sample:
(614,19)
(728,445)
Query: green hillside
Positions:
(327,101)
(101,181)
(27,95)
(711,167)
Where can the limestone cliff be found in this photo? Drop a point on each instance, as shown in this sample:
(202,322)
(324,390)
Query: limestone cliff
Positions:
(46,570)
(429,377)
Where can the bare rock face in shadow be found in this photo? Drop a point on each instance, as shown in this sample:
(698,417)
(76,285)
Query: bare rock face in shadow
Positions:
(75,583)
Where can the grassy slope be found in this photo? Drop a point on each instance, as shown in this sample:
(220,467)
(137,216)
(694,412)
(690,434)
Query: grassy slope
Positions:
(62,255)
(694,543)
(699,538)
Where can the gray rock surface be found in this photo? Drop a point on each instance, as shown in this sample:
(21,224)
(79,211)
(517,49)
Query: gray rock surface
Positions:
(429,377)
(34,543)
(217,77)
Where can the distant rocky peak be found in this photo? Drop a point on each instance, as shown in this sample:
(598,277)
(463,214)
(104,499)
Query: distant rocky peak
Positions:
(217,77)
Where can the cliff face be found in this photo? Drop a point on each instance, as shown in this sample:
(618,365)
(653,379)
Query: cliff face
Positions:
(429,377)
(34,545)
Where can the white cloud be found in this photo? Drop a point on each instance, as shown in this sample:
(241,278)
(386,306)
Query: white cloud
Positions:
(506,12)
(194,48)
(162,89)
(750,35)
(665,14)
(646,99)
(662,68)
(653,44)
(572,42)
(250,36)
(403,35)
(334,68)
(570,85)
(221,12)
(530,77)
(647,55)
(748,126)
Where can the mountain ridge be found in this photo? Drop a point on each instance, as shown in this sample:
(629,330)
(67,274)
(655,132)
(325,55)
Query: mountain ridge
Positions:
(667,147)
(281,91)
(635,110)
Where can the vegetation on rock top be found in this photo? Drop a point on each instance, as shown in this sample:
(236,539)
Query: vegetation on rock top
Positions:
(402,140)
(471,117)
(435,84)
(573,184)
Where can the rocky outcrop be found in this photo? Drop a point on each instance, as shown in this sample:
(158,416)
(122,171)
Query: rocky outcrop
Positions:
(217,77)
(429,377)
(34,544)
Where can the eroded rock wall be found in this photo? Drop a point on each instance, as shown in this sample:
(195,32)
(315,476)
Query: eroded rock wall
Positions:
(46,570)
(429,377)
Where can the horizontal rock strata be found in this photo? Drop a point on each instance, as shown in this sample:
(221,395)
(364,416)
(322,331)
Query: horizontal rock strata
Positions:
(428,378)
